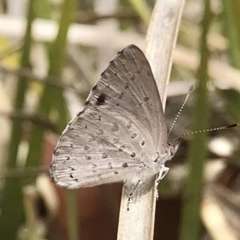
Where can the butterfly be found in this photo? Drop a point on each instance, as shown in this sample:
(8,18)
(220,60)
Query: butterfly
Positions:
(121,134)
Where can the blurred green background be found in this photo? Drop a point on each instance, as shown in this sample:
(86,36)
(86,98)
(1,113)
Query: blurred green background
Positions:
(51,54)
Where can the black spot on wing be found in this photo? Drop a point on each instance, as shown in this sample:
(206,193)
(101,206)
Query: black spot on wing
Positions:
(133,154)
(125,165)
(94,87)
(133,135)
(55,152)
(146,99)
(101,99)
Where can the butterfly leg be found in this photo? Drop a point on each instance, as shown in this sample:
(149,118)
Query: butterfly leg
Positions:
(162,173)
(131,193)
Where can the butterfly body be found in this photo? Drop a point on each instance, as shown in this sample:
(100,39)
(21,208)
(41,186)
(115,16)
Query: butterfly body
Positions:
(121,134)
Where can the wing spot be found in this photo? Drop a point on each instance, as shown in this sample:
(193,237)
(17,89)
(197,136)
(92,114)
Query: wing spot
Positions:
(121,148)
(104,72)
(67,158)
(78,115)
(115,127)
(86,147)
(71,175)
(85,126)
(156,157)
(99,118)
(104,155)
(94,87)
(126,86)
(88,157)
(76,180)
(129,125)
(143,143)
(146,99)
(115,172)
(86,103)
(125,165)
(101,99)
(55,152)
(133,135)
(133,154)
(109,165)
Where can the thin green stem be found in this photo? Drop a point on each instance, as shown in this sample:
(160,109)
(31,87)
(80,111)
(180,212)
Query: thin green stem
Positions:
(191,223)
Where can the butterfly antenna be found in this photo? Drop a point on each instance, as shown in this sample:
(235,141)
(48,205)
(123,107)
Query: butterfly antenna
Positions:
(180,110)
(208,130)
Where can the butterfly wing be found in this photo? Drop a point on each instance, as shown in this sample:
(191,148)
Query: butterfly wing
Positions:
(115,135)
(98,147)
(128,83)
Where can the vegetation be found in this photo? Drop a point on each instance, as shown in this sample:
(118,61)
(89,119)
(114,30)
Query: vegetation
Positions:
(47,68)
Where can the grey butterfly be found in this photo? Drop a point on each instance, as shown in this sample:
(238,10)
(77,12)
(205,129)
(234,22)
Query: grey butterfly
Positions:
(121,134)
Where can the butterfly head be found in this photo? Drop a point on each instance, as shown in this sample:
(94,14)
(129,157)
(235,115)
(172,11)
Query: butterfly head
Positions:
(172,147)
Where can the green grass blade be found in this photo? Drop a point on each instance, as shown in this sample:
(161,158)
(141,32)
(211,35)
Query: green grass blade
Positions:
(53,99)
(43,9)
(190,228)
(142,9)
(12,211)
(232,26)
